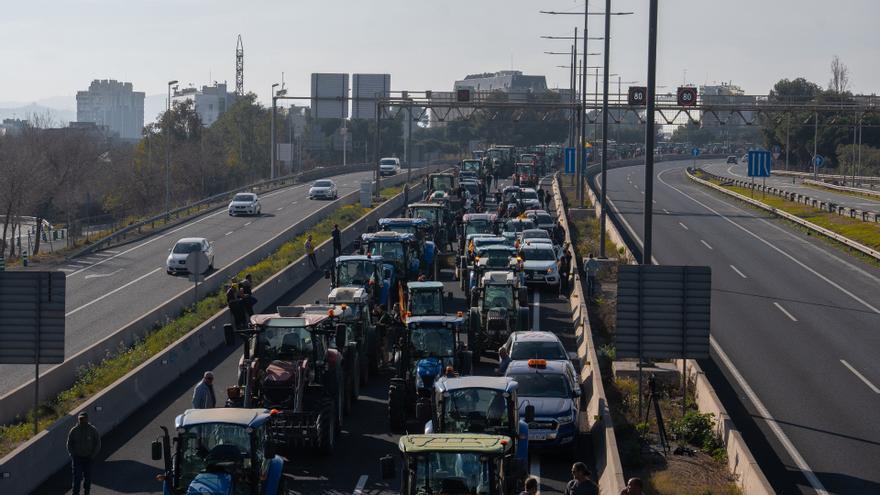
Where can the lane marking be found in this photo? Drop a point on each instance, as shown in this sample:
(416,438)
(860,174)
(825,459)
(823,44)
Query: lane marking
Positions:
(103,255)
(536,307)
(685,227)
(228,233)
(279,208)
(114,291)
(535,470)
(66,269)
(741,274)
(102,275)
(706,244)
(111,251)
(359,487)
(861,377)
(665,211)
(789,315)
(248,223)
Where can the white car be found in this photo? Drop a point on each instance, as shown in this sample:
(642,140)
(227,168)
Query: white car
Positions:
(540,264)
(245,204)
(176,262)
(323,189)
(543,219)
(529,199)
(389,166)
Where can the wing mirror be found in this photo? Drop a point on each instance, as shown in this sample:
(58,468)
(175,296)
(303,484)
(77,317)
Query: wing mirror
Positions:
(228,334)
(156,450)
(530,413)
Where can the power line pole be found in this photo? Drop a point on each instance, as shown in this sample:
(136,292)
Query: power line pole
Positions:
(650,132)
(239,67)
(583,131)
(607,57)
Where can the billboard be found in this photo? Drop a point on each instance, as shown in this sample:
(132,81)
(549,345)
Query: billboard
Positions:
(366,88)
(330,96)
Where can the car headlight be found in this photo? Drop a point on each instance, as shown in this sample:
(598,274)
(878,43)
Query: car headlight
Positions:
(565,418)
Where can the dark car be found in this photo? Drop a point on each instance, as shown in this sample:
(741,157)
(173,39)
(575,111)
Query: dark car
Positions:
(732,159)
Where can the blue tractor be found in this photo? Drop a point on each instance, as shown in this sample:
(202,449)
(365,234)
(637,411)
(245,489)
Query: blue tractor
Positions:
(423,230)
(426,347)
(400,250)
(221,451)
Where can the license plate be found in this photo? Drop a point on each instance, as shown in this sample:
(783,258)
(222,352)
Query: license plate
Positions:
(537,436)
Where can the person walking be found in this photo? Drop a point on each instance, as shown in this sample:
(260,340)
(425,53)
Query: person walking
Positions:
(83,445)
(337,241)
(203,394)
(564,271)
(531,486)
(581,484)
(558,234)
(541,198)
(633,487)
(310,251)
(591,266)
(503,361)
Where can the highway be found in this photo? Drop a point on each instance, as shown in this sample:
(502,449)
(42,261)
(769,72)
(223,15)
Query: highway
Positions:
(125,465)
(740,171)
(110,288)
(794,323)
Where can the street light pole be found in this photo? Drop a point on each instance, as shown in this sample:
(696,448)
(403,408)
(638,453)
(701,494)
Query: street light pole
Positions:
(650,131)
(272,135)
(815,145)
(583,132)
(168,151)
(607,57)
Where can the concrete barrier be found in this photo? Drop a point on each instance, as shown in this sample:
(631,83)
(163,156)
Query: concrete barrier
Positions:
(28,466)
(835,187)
(58,378)
(609,470)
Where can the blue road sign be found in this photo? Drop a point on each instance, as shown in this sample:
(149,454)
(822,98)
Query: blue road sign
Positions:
(695,151)
(759,163)
(570,160)
(819,160)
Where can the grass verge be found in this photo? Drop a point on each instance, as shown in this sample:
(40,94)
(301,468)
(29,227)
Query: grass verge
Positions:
(101,375)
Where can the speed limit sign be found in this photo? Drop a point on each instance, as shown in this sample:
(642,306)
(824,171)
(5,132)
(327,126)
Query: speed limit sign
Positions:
(637,96)
(687,96)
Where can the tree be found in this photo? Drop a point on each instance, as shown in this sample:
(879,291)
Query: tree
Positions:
(839,82)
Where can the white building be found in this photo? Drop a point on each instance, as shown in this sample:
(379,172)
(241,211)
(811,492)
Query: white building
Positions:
(114,105)
(210,102)
(725,94)
(513,82)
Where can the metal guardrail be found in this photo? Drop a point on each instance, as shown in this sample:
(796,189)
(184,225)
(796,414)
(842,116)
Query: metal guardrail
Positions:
(788,216)
(868,179)
(835,187)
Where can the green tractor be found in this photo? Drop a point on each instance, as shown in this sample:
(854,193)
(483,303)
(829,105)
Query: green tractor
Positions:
(500,305)
(357,317)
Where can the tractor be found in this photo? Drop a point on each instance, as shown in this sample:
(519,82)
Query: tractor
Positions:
(221,452)
(368,272)
(492,257)
(525,175)
(455,463)
(499,306)
(422,352)
(422,229)
(424,299)
(400,250)
(294,361)
(357,315)
(476,223)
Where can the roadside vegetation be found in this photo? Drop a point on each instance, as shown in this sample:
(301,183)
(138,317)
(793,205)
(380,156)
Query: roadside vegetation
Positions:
(96,378)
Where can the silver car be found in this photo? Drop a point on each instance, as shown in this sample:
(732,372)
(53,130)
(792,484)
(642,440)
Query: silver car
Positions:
(245,204)
(323,189)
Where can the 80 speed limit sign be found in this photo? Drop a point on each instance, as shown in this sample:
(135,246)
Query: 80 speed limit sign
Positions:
(687,96)
(637,96)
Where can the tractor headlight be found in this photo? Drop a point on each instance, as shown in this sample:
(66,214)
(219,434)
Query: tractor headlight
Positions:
(566,418)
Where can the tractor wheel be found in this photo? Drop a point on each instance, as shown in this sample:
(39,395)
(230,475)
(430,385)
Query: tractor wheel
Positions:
(327,426)
(355,391)
(397,407)
(462,272)
(474,335)
(336,388)
(364,371)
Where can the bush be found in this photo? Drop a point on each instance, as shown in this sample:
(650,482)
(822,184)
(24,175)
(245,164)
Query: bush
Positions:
(699,430)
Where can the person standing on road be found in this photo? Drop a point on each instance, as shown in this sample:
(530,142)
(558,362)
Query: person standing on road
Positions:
(581,484)
(337,241)
(310,251)
(203,394)
(246,287)
(236,305)
(591,266)
(564,271)
(633,487)
(531,486)
(559,234)
(541,198)
(503,361)
(83,445)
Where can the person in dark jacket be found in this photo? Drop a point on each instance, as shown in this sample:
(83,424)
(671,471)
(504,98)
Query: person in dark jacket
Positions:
(541,198)
(246,293)
(83,445)
(337,241)
(236,306)
(581,484)
(203,394)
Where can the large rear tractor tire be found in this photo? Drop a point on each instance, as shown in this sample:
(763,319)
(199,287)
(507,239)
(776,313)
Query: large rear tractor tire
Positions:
(327,426)
(397,408)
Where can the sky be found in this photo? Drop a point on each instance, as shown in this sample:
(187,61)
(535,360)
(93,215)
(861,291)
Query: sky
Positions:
(54,48)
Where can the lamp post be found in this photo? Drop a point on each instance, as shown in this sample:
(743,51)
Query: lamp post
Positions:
(272,134)
(650,131)
(168,151)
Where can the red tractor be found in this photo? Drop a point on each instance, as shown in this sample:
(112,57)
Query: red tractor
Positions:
(295,362)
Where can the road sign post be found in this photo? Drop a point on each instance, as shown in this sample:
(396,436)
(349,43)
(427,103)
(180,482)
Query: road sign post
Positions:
(196,263)
(570,163)
(695,153)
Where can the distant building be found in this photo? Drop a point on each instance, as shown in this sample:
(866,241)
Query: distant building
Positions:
(724,94)
(513,82)
(112,104)
(210,102)
(12,127)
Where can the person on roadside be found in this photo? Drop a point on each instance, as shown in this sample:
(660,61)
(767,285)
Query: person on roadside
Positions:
(558,234)
(310,252)
(541,198)
(246,288)
(203,394)
(531,486)
(83,445)
(236,305)
(591,266)
(337,241)
(503,361)
(581,484)
(564,271)
(633,487)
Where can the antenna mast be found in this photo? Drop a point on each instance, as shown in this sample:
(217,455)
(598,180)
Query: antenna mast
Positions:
(239,68)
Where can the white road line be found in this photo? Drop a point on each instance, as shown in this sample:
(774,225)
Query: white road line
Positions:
(102,275)
(359,488)
(66,269)
(293,202)
(536,315)
(535,470)
(861,377)
(248,223)
(789,315)
(741,274)
(111,251)
(630,229)
(279,208)
(114,291)
(706,244)
(685,227)
(665,211)
(228,233)
(103,255)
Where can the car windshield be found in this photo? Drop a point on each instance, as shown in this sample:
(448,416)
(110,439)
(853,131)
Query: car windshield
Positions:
(525,169)
(536,234)
(429,213)
(528,195)
(518,225)
(425,302)
(478,226)
(323,183)
(475,410)
(387,161)
(187,247)
(543,218)
(284,343)
(244,197)
(450,473)
(220,447)
(442,183)
(470,165)
(403,228)
(499,296)
(432,342)
(538,255)
(533,384)
(471,188)
(538,350)
(391,251)
(354,273)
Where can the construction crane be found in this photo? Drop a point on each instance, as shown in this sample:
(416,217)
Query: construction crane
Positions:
(239,68)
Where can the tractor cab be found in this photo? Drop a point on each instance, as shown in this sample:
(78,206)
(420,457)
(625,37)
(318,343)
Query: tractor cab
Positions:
(220,452)
(366,271)
(514,227)
(526,175)
(424,299)
(356,315)
(472,165)
(400,250)
(499,305)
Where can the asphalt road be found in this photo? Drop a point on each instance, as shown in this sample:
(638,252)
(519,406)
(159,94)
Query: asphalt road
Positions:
(795,185)
(795,330)
(125,465)
(110,288)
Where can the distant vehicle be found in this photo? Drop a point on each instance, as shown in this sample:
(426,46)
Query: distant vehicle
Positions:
(389,166)
(732,159)
(540,264)
(323,189)
(176,262)
(528,197)
(535,344)
(542,218)
(245,204)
